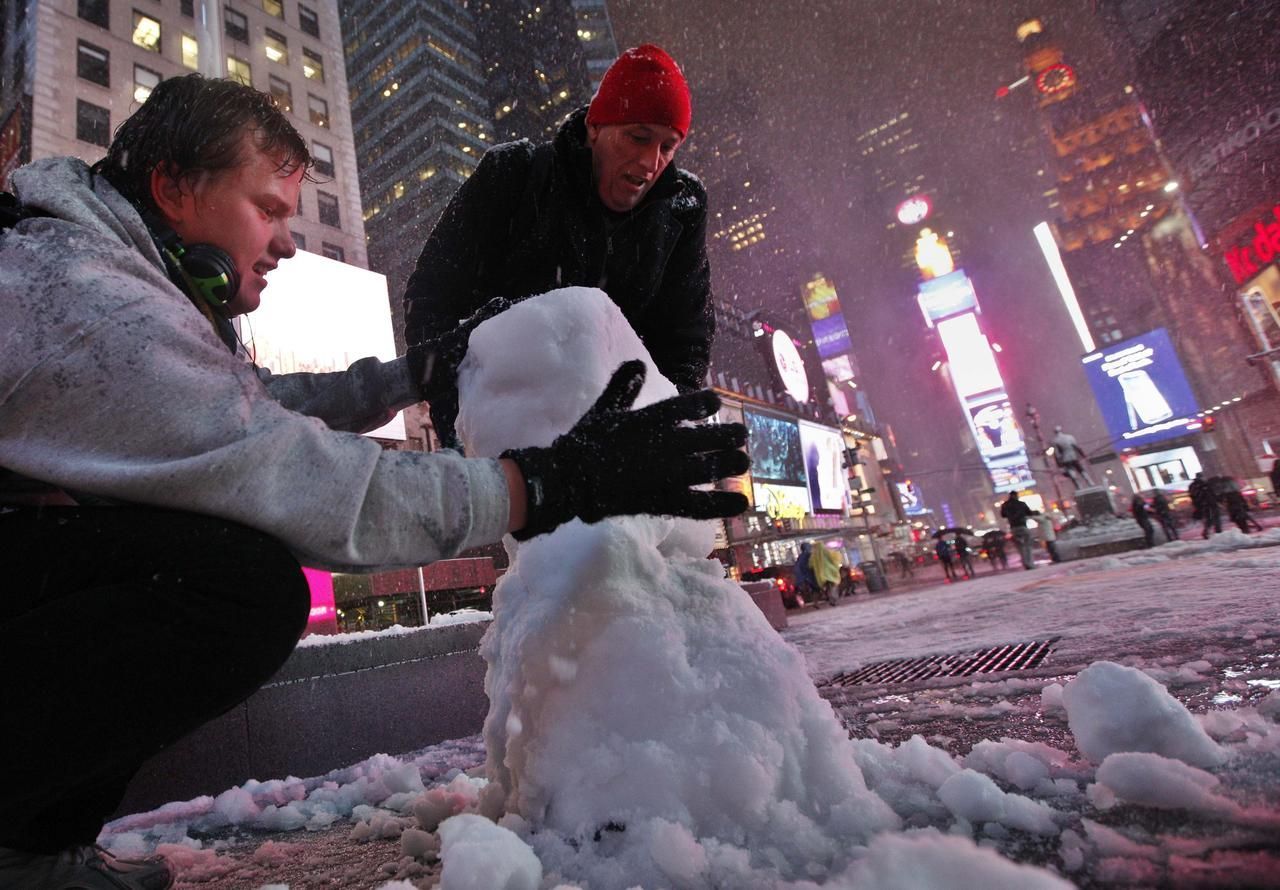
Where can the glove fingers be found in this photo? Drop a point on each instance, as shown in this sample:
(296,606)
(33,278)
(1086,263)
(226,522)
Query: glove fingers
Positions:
(622,390)
(710,437)
(708,505)
(669,412)
(696,469)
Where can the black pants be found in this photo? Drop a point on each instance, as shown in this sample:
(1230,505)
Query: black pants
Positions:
(121,630)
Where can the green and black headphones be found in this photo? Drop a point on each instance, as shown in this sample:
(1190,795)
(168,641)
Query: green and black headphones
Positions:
(202,271)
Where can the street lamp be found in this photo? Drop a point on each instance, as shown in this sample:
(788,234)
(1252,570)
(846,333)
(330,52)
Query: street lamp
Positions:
(1034,416)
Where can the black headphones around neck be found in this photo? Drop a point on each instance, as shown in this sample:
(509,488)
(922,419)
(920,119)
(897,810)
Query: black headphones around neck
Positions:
(202,271)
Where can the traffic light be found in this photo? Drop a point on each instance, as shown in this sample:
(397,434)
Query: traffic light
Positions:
(1208,423)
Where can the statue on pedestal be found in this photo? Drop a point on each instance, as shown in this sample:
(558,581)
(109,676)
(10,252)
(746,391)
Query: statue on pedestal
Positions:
(1070,457)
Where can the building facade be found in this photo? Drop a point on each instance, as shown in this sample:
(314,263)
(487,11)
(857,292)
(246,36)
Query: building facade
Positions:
(119,53)
(1132,250)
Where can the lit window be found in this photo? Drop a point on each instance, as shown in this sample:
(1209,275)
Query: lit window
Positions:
(93,123)
(190,52)
(282,92)
(235,25)
(277,47)
(239,71)
(144,81)
(312,65)
(318,110)
(308,21)
(273,7)
(93,63)
(323,156)
(146,32)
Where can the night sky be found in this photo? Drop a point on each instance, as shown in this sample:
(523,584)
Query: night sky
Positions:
(828,70)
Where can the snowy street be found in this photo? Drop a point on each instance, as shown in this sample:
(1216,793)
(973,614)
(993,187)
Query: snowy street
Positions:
(1198,809)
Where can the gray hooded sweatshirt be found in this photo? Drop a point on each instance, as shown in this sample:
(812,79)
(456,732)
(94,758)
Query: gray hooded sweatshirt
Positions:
(113,384)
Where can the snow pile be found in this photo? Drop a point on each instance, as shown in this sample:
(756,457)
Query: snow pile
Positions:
(639,700)
(444,619)
(1113,708)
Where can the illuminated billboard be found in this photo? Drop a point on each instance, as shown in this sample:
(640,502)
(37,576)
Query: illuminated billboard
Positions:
(774,446)
(823,449)
(830,333)
(781,501)
(1141,389)
(911,499)
(946,296)
(973,364)
(995,428)
(321,315)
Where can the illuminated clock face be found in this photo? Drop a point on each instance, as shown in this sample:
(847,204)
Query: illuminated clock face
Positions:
(1056,78)
(913,210)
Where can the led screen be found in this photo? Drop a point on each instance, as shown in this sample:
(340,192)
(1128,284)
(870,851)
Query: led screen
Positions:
(909,495)
(995,428)
(973,364)
(945,296)
(774,446)
(781,501)
(1141,389)
(824,463)
(831,336)
(318,314)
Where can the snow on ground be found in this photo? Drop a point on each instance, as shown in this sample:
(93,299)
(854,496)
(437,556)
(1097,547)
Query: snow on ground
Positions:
(1208,634)
(648,729)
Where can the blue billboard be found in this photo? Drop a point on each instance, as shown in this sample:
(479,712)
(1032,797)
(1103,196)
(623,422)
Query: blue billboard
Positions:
(1141,389)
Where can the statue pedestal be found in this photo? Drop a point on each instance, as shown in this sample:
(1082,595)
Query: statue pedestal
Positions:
(1094,503)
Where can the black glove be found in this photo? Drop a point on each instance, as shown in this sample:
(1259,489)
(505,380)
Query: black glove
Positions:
(433,364)
(616,461)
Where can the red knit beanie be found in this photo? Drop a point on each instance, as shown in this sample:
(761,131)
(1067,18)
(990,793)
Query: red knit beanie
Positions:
(644,86)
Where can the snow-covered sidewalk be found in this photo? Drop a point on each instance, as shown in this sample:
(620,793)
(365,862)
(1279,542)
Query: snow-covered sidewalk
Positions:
(1143,751)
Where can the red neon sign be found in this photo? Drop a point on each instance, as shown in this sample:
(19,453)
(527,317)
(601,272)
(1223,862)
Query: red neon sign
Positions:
(1248,259)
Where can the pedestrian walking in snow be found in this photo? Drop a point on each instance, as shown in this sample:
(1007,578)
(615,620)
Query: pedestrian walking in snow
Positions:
(601,205)
(159,490)
(1274,475)
(1016,513)
(1143,517)
(1050,536)
(964,554)
(1236,506)
(946,557)
(1160,506)
(1204,503)
(993,545)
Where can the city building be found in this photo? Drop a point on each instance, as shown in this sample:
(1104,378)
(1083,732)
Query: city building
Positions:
(422,122)
(1199,69)
(120,52)
(436,84)
(1161,353)
(595,30)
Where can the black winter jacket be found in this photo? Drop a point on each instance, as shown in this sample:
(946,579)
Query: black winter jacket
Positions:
(528,221)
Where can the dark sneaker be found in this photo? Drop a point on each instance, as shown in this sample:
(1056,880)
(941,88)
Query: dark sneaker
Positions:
(82,868)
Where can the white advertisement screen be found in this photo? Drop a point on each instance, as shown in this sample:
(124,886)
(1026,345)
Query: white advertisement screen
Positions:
(823,449)
(318,315)
(973,364)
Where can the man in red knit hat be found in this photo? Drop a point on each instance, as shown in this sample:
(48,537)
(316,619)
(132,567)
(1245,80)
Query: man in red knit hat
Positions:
(601,205)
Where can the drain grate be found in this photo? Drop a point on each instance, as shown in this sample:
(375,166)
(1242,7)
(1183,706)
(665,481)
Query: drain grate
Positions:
(1009,657)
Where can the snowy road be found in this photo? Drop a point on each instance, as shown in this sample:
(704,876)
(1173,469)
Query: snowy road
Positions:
(1201,619)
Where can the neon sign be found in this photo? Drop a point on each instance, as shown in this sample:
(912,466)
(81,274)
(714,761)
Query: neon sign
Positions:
(1249,259)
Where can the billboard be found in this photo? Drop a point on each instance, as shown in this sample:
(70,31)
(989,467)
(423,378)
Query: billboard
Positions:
(995,428)
(318,315)
(973,364)
(830,333)
(911,499)
(774,446)
(823,449)
(1141,389)
(945,296)
(781,501)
